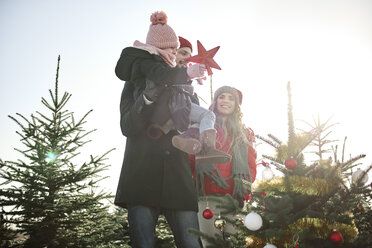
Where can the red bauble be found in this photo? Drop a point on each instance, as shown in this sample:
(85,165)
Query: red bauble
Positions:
(335,237)
(290,163)
(207,213)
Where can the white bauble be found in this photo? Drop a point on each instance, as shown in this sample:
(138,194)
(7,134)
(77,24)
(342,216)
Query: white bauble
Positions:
(267,174)
(253,221)
(357,174)
(269,246)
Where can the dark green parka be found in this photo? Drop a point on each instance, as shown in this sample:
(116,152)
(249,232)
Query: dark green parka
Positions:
(154,173)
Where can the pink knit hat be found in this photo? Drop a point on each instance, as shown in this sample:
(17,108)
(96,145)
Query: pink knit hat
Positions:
(160,34)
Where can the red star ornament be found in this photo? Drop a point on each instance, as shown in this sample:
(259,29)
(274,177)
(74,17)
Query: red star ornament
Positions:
(205,57)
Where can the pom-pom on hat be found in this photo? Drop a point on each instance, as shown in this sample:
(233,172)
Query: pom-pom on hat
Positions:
(233,91)
(184,43)
(160,34)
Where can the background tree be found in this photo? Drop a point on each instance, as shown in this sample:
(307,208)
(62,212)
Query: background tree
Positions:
(7,235)
(50,196)
(324,204)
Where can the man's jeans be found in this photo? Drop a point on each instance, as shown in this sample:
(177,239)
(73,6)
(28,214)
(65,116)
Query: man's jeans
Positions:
(142,221)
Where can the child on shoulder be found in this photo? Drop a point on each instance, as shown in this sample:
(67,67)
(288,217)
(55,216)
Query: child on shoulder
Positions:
(151,68)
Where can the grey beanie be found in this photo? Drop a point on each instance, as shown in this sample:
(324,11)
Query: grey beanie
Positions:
(227,89)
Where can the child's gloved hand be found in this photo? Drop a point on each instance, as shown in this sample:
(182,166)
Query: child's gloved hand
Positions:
(200,80)
(152,91)
(196,71)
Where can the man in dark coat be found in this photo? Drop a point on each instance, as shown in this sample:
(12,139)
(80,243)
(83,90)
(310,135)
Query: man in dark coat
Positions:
(155,177)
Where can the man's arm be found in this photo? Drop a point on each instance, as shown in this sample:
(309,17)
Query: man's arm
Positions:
(162,74)
(134,113)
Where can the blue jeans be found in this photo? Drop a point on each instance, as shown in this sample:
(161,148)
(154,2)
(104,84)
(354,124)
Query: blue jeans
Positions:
(204,117)
(142,221)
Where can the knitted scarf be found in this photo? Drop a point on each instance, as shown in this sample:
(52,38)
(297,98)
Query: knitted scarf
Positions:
(240,171)
(169,58)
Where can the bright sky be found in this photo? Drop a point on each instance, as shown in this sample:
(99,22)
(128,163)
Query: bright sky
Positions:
(323,47)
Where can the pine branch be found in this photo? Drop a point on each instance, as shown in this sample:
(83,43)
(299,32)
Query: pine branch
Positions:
(343,150)
(278,164)
(291,127)
(267,141)
(63,102)
(56,83)
(278,141)
(46,104)
(363,175)
(350,163)
(334,149)
(301,148)
(273,159)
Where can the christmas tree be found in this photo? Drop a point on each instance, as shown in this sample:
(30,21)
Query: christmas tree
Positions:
(7,235)
(47,196)
(163,233)
(322,204)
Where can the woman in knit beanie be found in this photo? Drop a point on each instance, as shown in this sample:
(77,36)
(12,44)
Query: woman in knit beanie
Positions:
(216,180)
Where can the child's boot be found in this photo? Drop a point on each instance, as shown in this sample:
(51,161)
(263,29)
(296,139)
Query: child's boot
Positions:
(209,154)
(188,141)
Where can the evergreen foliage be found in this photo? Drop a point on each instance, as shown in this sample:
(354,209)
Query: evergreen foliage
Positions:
(47,195)
(304,205)
(7,235)
(164,236)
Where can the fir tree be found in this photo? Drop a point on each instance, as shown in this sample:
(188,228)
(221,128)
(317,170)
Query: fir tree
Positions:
(163,233)
(7,235)
(308,203)
(49,196)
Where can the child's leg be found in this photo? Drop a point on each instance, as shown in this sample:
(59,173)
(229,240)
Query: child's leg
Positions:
(189,140)
(209,154)
(204,117)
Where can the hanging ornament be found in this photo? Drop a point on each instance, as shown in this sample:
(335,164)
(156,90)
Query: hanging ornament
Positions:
(267,173)
(220,223)
(253,221)
(269,246)
(335,237)
(249,241)
(207,213)
(239,220)
(357,174)
(290,163)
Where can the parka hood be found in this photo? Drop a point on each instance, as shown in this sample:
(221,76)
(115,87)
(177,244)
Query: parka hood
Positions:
(123,69)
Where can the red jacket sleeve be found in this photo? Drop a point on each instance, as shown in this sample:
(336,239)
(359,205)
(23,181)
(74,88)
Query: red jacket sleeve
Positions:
(252,154)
